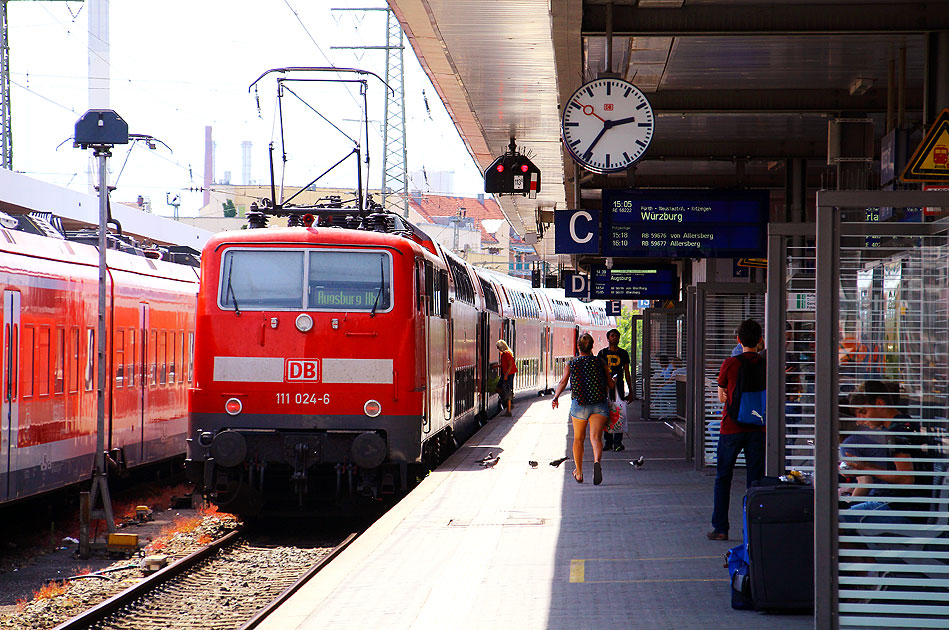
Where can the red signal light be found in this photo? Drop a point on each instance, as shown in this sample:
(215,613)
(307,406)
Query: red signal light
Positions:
(500,168)
(524,168)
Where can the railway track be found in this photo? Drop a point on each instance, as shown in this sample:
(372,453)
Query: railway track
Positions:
(231,584)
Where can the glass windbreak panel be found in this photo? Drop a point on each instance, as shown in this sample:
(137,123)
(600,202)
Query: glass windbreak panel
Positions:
(262,279)
(893,366)
(349,281)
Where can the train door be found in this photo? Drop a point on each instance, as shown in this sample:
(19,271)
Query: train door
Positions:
(484,361)
(438,344)
(10,406)
(542,381)
(144,324)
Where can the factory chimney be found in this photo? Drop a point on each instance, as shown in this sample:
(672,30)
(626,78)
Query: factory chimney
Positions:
(245,162)
(208,165)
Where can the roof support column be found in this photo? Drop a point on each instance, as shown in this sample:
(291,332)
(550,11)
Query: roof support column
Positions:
(936,80)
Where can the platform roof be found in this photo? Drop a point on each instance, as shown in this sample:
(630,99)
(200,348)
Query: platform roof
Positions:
(739,86)
(22,195)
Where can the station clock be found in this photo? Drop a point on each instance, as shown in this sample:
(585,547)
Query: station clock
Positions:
(607,125)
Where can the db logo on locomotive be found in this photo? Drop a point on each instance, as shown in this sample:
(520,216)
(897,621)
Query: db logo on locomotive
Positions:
(302,370)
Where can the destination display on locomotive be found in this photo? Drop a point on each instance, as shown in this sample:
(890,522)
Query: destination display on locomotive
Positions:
(634,283)
(684,223)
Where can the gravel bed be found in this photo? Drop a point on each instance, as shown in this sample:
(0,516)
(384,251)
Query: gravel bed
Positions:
(80,594)
(224,592)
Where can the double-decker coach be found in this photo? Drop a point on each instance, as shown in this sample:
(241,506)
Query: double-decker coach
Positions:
(49,365)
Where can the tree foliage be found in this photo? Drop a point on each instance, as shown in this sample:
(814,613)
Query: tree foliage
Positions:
(230,210)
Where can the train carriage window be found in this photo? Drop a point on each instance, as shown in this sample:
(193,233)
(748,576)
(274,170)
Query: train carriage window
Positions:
(119,359)
(130,366)
(172,356)
(430,284)
(490,297)
(74,360)
(181,357)
(163,358)
(261,280)
(42,360)
(90,380)
(349,281)
(26,367)
(153,358)
(59,380)
(190,356)
(444,304)
(419,285)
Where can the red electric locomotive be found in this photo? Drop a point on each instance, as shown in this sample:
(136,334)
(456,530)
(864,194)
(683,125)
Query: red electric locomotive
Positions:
(335,363)
(49,371)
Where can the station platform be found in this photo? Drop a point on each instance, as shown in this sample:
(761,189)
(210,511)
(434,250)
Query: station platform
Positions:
(513,546)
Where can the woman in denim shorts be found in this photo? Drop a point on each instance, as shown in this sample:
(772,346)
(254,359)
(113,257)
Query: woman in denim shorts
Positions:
(589,379)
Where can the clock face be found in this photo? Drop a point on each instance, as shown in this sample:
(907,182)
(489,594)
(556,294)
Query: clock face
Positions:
(607,125)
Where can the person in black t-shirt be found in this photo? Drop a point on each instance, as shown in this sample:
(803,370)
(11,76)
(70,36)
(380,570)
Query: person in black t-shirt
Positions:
(617,360)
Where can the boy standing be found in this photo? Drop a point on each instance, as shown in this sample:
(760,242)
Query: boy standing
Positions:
(617,360)
(733,437)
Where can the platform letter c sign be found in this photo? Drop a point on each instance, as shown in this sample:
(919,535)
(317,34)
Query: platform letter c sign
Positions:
(573,227)
(577,231)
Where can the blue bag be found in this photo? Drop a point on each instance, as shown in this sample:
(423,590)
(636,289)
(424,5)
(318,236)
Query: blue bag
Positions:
(739,571)
(748,400)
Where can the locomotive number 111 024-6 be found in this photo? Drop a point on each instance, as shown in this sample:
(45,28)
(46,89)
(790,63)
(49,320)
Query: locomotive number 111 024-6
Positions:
(302,398)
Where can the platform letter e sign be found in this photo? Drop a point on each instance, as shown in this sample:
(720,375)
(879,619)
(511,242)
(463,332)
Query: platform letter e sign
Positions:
(303,370)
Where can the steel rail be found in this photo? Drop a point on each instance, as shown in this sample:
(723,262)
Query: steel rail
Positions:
(115,603)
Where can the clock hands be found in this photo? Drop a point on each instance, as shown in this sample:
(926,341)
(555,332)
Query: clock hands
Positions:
(589,151)
(589,111)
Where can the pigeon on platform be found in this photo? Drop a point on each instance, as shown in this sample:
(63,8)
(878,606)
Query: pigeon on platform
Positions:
(637,464)
(490,455)
(532,463)
(491,462)
(557,462)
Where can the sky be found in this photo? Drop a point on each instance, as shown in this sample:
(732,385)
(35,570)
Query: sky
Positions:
(178,66)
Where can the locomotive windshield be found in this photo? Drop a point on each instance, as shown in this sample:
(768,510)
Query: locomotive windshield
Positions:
(326,280)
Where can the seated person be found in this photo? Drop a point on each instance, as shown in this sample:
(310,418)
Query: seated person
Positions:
(865,455)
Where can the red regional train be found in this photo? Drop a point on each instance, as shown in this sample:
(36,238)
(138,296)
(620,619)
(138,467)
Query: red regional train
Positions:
(48,367)
(333,364)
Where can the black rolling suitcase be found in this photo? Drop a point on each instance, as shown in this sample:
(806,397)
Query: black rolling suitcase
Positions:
(781,546)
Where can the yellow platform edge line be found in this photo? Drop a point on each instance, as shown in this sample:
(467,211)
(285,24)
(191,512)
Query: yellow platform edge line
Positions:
(577,570)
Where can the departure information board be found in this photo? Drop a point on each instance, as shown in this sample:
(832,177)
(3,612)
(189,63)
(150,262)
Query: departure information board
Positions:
(685,223)
(653,282)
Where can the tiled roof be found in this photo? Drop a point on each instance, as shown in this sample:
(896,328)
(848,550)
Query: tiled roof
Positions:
(430,206)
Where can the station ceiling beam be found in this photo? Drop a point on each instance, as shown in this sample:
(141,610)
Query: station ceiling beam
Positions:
(775,101)
(773,179)
(699,149)
(773,19)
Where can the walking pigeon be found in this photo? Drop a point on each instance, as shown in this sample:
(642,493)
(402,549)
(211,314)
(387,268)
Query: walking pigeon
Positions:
(637,464)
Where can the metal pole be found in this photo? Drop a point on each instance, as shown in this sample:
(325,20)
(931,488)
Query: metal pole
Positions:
(826,420)
(698,339)
(775,323)
(647,363)
(100,480)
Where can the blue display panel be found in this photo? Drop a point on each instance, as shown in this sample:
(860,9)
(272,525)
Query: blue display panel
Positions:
(685,223)
(653,282)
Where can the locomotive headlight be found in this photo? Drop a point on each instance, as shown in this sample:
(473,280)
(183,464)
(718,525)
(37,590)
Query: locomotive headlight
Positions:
(372,408)
(233,406)
(304,322)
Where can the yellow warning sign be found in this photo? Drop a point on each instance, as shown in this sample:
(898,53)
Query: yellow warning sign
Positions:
(930,163)
(757,263)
